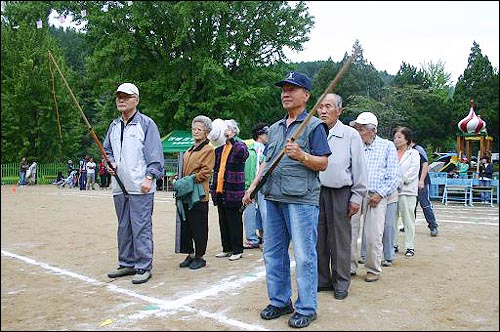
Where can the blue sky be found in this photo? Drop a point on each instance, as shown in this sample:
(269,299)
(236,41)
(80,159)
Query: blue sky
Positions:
(415,32)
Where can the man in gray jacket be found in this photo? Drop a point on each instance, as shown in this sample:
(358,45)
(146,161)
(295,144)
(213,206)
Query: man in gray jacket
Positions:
(343,186)
(134,148)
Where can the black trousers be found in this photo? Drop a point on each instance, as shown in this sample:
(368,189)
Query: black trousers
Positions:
(195,229)
(231,229)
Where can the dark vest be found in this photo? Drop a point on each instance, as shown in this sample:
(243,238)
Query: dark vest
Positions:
(291,182)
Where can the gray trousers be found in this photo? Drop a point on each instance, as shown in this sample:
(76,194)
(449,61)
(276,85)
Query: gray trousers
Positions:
(373,231)
(334,238)
(135,230)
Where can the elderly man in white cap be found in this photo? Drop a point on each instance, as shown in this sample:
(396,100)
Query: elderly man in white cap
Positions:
(134,148)
(383,178)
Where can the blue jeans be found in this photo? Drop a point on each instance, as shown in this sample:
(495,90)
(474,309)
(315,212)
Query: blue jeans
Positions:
(426,205)
(22,178)
(83,180)
(249,222)
(485,197)
(260,216)
(388,238)
(298,223)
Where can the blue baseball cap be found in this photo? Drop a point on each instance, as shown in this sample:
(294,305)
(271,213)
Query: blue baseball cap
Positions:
(298,79)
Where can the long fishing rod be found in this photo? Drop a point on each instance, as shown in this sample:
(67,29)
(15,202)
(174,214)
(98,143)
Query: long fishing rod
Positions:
(299,130)
(91,130)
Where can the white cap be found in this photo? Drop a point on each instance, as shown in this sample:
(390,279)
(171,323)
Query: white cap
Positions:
(128,88)
(216,135)
(365,118)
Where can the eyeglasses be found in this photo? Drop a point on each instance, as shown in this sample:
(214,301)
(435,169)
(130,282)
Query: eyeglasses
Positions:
(194,129)
(124,96)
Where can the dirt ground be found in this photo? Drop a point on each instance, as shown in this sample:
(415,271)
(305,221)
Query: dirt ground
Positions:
(59,244)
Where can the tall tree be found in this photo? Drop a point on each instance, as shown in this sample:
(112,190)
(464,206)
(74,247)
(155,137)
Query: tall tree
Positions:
(410,75)
(361,79)
(438,79)
(35,118)
(214,58)
(480,82)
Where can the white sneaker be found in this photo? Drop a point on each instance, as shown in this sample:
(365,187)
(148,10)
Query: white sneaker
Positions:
(235,257)
(223,254)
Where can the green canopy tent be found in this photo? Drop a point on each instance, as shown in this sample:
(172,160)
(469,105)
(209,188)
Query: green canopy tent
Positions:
(176,142)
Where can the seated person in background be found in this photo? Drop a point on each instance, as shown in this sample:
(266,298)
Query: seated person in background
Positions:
(59,180)
(70,180)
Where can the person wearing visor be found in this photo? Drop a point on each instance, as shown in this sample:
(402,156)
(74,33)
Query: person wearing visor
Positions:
(134,148)
(384,176)
(254,213)
(292,204)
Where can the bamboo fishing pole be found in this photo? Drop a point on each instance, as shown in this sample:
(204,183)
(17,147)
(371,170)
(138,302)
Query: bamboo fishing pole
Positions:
(91,130)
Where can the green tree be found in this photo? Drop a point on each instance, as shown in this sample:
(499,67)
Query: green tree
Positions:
(438,79)
(361,79)
(480,82)
(31,124)
(425,113)
(188,58)
(410,75)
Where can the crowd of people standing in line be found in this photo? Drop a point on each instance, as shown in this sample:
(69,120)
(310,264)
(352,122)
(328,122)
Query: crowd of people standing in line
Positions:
(335,184)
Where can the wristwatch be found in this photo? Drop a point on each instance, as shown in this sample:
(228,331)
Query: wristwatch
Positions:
(149,177)
(305,157)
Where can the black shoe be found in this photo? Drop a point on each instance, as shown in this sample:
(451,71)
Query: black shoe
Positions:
(396,248)
(197,263)
(187,261)
(272,312)
(434,232)
(361,260)
(325,288)
(353,274)
(340,295)
(402,230)
(300,320)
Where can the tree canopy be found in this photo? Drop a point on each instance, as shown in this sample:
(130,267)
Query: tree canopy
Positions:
(217,58)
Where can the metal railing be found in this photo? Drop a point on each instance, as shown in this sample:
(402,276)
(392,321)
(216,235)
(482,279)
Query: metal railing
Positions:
(47,173)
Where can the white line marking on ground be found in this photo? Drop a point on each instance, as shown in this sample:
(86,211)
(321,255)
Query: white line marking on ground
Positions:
(180,304)
(468,222)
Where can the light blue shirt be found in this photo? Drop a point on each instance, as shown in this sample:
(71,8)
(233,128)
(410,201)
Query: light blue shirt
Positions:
(384,174)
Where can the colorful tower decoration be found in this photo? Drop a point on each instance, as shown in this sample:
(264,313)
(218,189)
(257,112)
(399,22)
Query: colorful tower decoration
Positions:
(472,123)
(473,129)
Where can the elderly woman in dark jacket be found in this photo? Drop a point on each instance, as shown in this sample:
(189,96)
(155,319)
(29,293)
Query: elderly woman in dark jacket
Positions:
(227,190)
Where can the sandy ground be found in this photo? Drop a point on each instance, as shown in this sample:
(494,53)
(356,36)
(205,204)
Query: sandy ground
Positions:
(59,244)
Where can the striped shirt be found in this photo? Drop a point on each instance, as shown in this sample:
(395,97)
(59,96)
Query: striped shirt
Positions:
(384,174)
